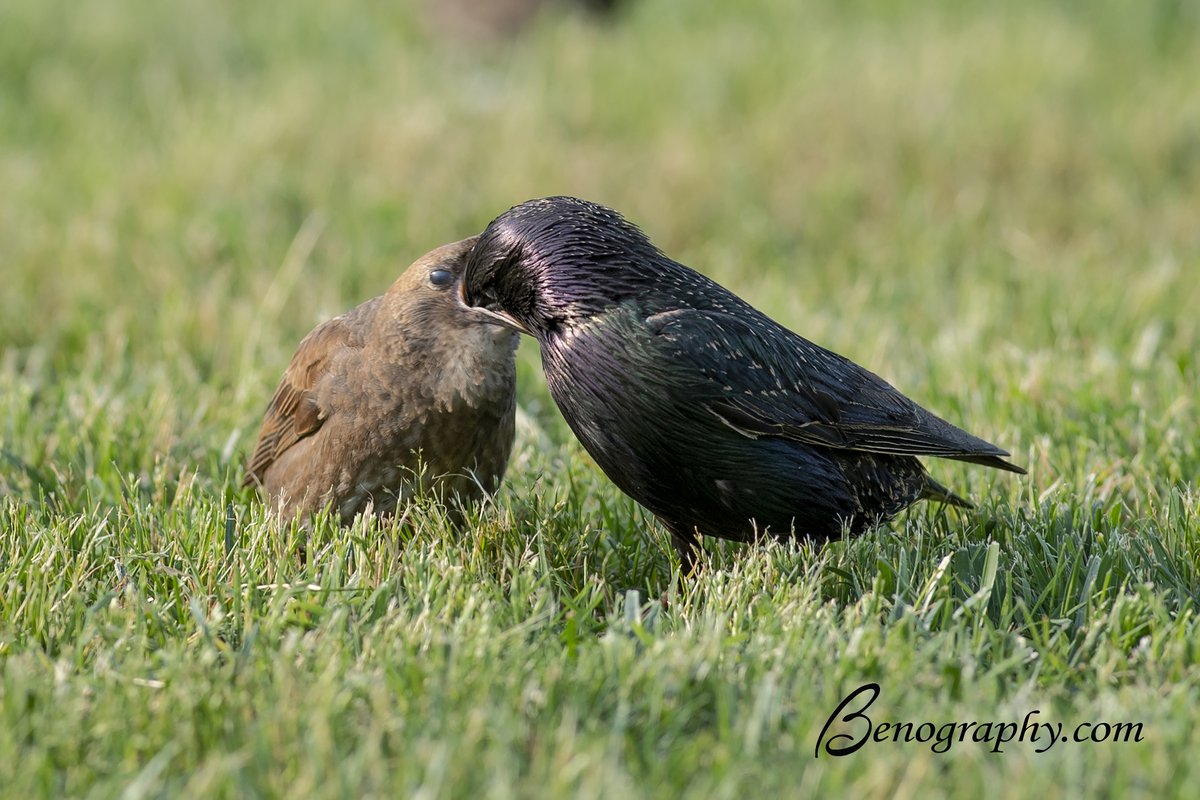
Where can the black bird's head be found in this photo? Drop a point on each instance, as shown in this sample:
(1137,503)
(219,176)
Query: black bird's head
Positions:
(546,265)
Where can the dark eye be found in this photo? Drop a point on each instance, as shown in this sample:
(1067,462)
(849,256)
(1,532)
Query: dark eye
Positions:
(441,277)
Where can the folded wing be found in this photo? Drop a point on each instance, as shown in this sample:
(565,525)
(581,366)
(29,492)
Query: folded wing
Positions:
(804,392)
(294,412)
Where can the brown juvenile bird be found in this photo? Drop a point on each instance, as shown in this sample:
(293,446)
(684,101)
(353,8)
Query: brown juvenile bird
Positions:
(404,394)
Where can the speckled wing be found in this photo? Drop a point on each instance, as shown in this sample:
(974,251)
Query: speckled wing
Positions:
(294,411)
(765,381)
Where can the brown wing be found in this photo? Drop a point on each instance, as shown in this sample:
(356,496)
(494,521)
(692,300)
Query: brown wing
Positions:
(294,412)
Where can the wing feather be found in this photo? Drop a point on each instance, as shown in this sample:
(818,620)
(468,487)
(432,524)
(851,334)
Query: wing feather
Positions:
(812,396)
(294,411)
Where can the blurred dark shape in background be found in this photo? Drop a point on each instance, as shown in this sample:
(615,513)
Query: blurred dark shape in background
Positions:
(498,19)
(599,6)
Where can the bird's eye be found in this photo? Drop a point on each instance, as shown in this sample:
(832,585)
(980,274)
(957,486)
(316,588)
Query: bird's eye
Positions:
(441,277)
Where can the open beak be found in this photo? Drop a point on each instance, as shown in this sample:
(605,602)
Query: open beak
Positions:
(487,315)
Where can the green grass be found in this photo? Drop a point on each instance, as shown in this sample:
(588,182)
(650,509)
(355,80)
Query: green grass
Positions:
(993,205)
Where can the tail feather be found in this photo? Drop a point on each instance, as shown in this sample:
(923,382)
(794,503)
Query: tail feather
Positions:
(935,491)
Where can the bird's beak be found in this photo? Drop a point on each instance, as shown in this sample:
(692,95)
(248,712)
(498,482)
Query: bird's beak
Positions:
(489,316)
(498,318)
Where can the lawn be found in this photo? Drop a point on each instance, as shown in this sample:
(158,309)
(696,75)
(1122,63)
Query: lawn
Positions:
(994,206)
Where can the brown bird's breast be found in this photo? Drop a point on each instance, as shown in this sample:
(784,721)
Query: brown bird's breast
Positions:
(450,435)
(437,418)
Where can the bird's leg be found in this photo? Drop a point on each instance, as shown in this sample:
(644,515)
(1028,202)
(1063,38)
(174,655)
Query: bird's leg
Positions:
(687,545)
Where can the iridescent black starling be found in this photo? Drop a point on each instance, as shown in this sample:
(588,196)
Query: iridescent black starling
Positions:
(404,393)
(714,417)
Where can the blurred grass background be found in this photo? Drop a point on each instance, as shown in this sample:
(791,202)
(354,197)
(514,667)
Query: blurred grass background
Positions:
(993,206)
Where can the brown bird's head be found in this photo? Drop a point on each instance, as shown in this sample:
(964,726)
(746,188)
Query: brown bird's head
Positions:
(430,284)
(426,295)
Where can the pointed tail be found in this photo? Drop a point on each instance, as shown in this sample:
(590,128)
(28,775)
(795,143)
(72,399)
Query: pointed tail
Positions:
(935,491)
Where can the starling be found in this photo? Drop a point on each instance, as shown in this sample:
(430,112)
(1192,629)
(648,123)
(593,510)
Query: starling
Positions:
(713,416)
(402,395)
